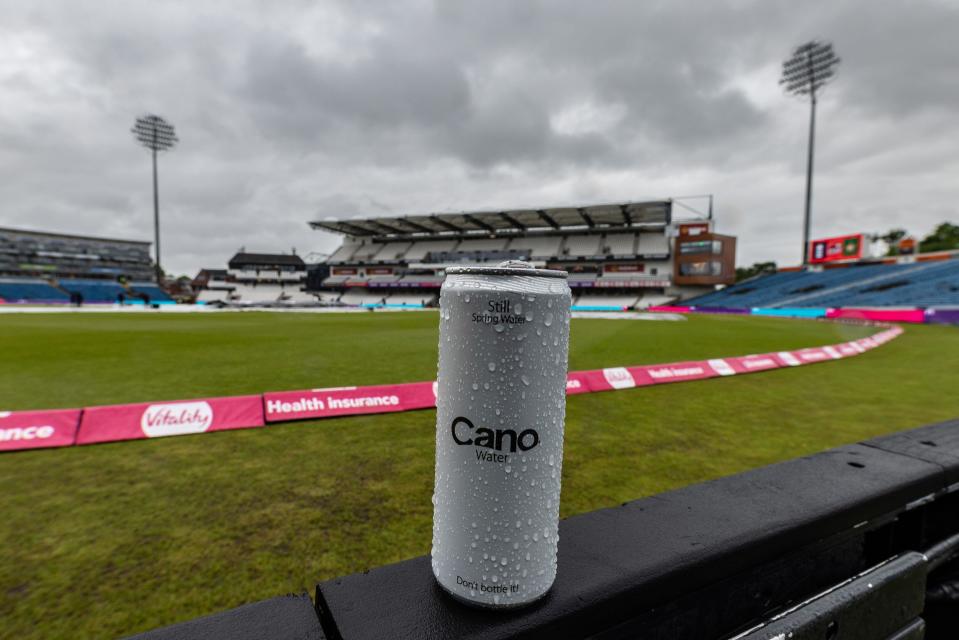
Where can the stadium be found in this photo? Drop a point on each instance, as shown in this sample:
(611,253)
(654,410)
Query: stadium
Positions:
(214,520)
(509,387)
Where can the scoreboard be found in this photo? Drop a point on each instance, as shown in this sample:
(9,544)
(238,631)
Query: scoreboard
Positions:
(838,248)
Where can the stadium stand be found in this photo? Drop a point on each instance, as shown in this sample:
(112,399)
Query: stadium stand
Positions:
(212,295)
(366,251)
(211,285)
(484,244)
(47,268)
(652,300)
(40,254)
(392,251)
(538,246)
(343,253)
(94,290)
(152,291)
(651,244)
(419,250)
(26,290)
(620,244)
(584,246)
(259,279)
(359,297)
(618,255)
(256,292)
(916,284)
(297,296)
(606,301)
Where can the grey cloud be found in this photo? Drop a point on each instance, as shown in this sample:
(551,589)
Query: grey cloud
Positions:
(303,97)
(899,58)
(299,110)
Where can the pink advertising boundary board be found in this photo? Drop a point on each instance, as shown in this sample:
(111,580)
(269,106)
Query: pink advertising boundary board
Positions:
(56,428)
(283,406)
(169,418)
(38,429)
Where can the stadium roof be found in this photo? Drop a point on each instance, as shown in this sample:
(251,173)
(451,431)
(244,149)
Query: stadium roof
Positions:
(269,259)
(505,221)
(69,236)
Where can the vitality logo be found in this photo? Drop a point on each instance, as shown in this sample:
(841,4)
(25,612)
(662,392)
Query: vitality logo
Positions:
(176,418)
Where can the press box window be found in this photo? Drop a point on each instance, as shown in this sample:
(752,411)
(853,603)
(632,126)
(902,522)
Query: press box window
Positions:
(715,247)
(701,268)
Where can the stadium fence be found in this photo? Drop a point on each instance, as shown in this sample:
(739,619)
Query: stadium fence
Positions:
(21,430)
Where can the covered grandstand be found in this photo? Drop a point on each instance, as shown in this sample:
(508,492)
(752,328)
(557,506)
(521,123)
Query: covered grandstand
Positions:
(260,279)
(626,255)
(38,267)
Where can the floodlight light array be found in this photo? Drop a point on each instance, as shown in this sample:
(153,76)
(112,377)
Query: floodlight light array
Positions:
(155,133)
(809,68)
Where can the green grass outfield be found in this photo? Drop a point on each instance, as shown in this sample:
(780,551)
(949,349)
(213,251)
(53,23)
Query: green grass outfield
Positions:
(108,540)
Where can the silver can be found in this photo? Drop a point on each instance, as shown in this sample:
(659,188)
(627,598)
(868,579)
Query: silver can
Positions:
(501,403)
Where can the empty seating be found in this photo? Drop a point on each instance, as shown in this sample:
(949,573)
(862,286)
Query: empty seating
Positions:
(94,290)
(620,244)
(335,280)
(327,296)
(582,245)
(343,253)
(653,244)
(244,274)
(925,285)
(482,244)
(365,251)
(392,251)
(156,293)
(538,246)
(419,250)
(294,295)
(256,293)
(476,257)
(905,284)
(17,290)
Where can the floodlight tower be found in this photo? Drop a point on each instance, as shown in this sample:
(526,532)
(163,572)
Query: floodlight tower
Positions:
(807,71)
(156,134)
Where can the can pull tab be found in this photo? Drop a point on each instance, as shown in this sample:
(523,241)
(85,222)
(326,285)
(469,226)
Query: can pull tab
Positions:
(515,264)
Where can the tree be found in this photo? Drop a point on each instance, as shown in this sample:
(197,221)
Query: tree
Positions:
(758,268)
(943,238)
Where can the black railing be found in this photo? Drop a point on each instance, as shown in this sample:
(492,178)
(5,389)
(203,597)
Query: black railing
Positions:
(841,544)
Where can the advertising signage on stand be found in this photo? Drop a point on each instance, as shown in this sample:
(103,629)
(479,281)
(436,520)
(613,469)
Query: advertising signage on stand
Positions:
(838,248)
(693,228)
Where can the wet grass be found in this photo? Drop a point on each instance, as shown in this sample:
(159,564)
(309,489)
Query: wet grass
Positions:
(112,539)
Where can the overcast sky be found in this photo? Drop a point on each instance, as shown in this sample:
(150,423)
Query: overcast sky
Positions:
(290,111)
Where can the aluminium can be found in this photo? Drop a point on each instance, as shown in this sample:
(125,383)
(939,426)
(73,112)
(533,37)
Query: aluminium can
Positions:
(501,404)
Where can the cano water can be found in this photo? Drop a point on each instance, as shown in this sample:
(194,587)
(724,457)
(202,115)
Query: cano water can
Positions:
(501,403)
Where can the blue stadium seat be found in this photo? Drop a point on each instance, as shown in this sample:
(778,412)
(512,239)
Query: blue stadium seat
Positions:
(922,284)
(94,290)
(30,291)
(156,293)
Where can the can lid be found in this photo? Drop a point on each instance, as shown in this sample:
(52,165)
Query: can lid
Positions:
(509,268)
